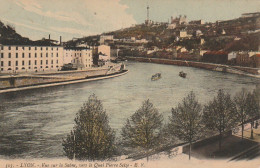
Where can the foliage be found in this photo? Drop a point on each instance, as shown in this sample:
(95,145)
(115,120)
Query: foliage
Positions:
(91,138)
(252,108)
(143,128)
(219,114)
(240,100)
(186,120)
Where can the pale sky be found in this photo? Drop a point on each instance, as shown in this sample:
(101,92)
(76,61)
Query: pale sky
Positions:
(77,18)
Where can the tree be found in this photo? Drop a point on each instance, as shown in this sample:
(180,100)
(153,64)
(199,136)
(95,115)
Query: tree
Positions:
(186,120)
(143,128)
(91,138)
(219,114)
(240,100)
(252,109)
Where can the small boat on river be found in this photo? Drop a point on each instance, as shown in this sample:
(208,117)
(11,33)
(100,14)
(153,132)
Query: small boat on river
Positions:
(156,76)
(182,74)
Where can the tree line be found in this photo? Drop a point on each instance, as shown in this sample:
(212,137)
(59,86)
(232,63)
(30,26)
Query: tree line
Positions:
(92,138)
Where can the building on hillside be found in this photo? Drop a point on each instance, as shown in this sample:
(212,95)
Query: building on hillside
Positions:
(182,33)
(247,15)
(179,20)
(171,26)
(21,58)
(197,22)
(219,57)
(255,59)
(106,38)
(243,59)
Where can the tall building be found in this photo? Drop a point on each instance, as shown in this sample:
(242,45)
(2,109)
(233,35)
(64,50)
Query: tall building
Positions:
(80,58)
(19,58)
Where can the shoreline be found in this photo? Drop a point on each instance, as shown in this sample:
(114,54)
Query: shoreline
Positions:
(92,78)
(251,72)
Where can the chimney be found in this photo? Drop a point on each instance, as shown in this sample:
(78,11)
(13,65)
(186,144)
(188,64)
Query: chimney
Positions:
(60,40)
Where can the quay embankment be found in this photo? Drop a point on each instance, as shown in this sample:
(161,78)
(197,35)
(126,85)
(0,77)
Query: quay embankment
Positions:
(247,71)
(40,80)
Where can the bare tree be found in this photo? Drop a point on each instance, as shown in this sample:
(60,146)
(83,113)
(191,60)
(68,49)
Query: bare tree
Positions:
(219,114)
(252,109)
(91,138)
(186,120)
(240,100)
(143,128)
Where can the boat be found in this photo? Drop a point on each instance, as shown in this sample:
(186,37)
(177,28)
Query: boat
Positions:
(156,76)
(182,74)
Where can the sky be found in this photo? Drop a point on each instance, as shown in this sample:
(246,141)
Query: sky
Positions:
(37,19)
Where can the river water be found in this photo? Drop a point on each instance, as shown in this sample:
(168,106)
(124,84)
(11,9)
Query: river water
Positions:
(33,123)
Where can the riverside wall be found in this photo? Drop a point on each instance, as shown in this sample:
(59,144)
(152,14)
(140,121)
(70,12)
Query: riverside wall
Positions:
(45,78)
(209,66)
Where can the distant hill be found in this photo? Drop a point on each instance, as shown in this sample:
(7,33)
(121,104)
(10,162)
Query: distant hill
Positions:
(8,36)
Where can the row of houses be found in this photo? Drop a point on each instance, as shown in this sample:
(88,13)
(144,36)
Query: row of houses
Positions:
(21,58)
(249,59)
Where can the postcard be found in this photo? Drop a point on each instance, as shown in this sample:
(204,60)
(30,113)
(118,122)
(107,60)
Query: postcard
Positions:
(129,83)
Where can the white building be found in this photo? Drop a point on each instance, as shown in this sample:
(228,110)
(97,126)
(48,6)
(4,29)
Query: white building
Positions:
(104,38)
(81,58)
(19,58)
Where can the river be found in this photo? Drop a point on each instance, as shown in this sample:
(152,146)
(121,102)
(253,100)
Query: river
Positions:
(33,123)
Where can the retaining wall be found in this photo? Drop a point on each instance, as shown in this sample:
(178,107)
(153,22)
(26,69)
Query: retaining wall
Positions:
(203,65)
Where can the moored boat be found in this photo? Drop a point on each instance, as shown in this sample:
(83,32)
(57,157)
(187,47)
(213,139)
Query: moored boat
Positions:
(182,74)
(156,76)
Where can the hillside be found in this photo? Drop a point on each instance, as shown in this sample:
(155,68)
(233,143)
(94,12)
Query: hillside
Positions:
(8,36)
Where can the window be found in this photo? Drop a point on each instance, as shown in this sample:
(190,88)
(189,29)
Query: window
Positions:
(2,55)
(41,62)
(51,61)
(16,48)
(9,63)
(2,47)
(29,48)
(46,48)
(9,47)
(22,63)
(57,55)
(51,48)
(9,55)
(46,54)
(35,48)
(57,48)
(57,61)
(16,63)
(35,55)
(23,48)
(41,55)
(41,48)
(2,63)
(23,55)
(16,68)
(51,54)
(46,62)
(2,69)
(16,55)
(35,62)
(29,62)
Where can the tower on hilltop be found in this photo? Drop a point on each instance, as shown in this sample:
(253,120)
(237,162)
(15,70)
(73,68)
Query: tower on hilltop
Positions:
(147,18)
(148,22)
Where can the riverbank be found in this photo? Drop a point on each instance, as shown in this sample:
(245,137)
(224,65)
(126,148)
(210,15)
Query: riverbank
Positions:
(57,83)
(247,71)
